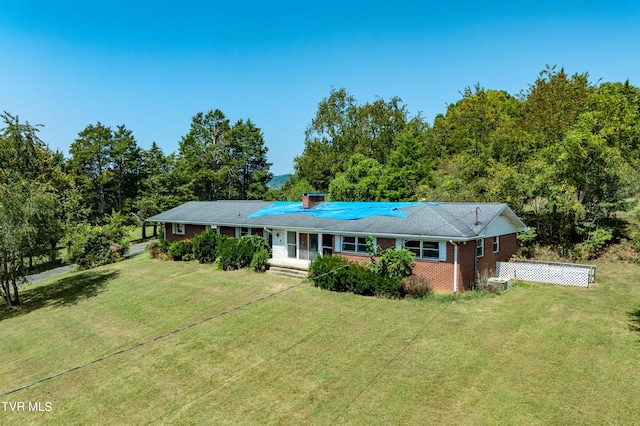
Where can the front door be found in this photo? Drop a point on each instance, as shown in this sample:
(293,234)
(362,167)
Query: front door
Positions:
(308,246)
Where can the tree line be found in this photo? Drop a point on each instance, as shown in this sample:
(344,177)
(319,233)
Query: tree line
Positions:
(564,153)
(86,198)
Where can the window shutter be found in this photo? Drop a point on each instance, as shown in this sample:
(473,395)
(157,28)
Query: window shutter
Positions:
(442,247)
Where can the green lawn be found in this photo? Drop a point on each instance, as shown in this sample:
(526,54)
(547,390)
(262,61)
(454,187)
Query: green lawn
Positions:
(534,355)
(136,233)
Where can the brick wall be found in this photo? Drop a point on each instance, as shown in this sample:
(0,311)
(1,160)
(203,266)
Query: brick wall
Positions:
(507,247)
(386,243)
(229,231)
(190,231)
(439,274)
(466,262)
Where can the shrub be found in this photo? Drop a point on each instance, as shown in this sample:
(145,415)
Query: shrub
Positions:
(396,263)
(205,246)
(392,263)
(594,245)
(361,280)
(236,253)
(260,260)
(181,250)
(365,282)
(329,272)
(92,246)
(157,249)
(389,287)
(336,274)
(417,286)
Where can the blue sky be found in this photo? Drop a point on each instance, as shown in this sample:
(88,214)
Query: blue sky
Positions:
(152,65)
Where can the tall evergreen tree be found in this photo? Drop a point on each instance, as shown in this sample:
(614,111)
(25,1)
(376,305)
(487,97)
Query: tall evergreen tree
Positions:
(248,155)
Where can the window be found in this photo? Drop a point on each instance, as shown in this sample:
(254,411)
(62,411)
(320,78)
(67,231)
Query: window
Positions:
(423,249)
(178,229)
(496,244)
(480,247)
(327,244)
(292,245)
(244,231)
(354,244)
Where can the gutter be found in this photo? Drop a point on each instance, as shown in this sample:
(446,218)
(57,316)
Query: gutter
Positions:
(450,239)
(455,266)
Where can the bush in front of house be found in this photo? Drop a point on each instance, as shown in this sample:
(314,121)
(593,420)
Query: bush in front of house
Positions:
(237,253)
(181,250)
(417,286)
(396,263)
(390,263)
(260,260)
(364,282)
(337,274)
(205,246)
(329,273)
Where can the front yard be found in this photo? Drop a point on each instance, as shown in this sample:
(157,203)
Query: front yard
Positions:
(535,354)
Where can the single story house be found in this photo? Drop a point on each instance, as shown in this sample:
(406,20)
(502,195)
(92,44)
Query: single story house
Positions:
(455,243)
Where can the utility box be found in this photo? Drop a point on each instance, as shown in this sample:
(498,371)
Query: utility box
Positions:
(500,284)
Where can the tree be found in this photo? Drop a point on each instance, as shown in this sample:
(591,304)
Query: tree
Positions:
(160,186)
(597,174)
(30,202)
(203,156)
(91,163)
(293,189)
(409,165)
(106,165)
(248,161)
(553,103)
(217,161)
(126,163)
(342,128)
(360,182)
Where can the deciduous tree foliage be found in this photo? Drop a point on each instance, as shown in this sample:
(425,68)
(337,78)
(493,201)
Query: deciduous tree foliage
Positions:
(342,128)
(564,154)
(32,202)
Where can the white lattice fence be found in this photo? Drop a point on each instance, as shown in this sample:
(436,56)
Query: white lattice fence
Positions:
(547,272)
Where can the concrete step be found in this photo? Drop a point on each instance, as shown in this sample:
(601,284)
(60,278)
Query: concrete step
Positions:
(288,272)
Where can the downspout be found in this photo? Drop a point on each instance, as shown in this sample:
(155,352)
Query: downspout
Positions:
(455,267)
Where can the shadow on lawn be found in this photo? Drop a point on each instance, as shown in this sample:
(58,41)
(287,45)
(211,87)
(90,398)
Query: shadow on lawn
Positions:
(66,291)
(634,319)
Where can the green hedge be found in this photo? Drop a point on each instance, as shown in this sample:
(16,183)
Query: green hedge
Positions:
(205,246)
(237,253)
(337,274)
(181,250)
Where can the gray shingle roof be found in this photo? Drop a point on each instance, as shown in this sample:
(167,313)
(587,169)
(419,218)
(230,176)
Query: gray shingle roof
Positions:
(444,220)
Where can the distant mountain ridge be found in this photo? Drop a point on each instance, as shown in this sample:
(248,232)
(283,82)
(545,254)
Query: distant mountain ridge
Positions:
(278,181)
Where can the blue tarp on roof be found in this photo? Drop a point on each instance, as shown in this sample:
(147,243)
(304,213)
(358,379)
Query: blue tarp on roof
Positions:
(345,210)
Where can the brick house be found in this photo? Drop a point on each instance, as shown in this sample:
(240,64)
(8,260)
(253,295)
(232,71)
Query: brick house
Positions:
(455,243)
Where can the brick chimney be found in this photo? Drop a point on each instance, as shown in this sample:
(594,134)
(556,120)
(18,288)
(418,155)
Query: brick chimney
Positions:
(311,199)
